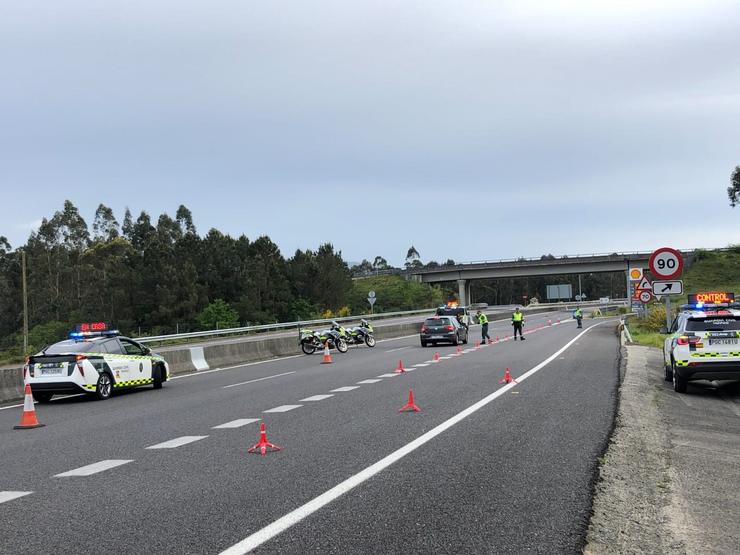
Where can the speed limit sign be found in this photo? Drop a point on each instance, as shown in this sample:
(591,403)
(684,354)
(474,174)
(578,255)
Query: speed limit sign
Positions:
(666,263)
(646,296)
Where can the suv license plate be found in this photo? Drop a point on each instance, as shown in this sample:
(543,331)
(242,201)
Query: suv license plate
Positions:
(732,341)
(51,371)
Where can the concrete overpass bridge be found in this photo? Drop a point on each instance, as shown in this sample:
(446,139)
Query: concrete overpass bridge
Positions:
(527,267)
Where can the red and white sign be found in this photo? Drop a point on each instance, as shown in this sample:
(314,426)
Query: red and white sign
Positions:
(666,263)
(646,296)
(645,285)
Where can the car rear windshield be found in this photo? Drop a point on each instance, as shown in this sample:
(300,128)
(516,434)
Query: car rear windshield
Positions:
(437,322)
(724,323)
(70,346)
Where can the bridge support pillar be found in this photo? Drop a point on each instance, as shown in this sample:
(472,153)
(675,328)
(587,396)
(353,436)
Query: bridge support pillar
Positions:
(463,292)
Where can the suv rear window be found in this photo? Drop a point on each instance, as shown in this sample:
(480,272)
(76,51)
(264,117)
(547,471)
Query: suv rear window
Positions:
(723,323)
(70,346)
(437,322)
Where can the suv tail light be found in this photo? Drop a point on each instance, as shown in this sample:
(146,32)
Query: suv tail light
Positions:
(80,359)
(689,340)
(424,329)
(450,328)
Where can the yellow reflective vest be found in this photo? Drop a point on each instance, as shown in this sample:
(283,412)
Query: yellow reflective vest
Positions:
(517,317)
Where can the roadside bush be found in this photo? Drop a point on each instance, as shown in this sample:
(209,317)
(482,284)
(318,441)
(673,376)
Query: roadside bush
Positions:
(218,314)
(654,320)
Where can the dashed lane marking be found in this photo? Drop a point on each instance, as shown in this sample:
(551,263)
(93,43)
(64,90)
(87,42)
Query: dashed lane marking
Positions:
(259,379)
(422,365)
(398,349)
(346,388)
(283,408)
(316,398)
(6,496)
(390,375)
(94,468)
(236,423)
(282,524)
(363,382)
(177,442)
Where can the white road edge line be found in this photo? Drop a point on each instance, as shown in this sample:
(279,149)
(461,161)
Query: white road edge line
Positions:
(259,379)
(177,442)
(294,517)
(94,468)
(6,496)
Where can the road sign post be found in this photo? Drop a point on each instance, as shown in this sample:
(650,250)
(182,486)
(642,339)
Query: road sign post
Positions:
(371,299)
(667,264)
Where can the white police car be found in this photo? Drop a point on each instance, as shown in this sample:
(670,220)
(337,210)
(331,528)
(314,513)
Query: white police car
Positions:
(704,341)
(93,360)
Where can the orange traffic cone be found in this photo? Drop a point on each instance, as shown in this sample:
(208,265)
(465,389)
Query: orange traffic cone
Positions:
(497,339)
(28,418)
(507,378)
(490,341)
(263,446)
(458,350)
(435,358)
(327,354)
(410,405)
(400,369)
(549,322)
(477,344)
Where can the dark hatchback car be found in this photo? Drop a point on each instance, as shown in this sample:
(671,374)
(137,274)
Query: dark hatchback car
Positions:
(442,329)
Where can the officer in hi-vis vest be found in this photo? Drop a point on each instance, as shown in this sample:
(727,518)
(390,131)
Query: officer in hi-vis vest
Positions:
(517,320)
(483,321)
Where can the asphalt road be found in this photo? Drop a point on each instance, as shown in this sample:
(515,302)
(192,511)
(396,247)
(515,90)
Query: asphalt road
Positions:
(483,468)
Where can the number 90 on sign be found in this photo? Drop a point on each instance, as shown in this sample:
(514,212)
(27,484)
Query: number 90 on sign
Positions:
(666,263)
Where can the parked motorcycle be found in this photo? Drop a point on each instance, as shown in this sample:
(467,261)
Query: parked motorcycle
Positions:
(312,341)
(361,334)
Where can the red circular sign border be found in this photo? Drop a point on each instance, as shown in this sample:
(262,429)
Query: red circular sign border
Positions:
(674,252)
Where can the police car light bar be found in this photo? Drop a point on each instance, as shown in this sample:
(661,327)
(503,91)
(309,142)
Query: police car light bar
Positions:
(93,329)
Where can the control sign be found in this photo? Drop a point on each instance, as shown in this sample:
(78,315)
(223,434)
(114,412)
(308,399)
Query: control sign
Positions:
(714,297)
(666,263)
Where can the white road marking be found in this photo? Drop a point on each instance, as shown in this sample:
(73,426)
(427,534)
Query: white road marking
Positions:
(294,517)
(422,365)
(283,408)
(259,379)
(444,358)
(10,495)
(391,375)
(363,382)
(317,398)
(204,372)
(236,423)
(343,389)
(177,442)
(398,349)
(94,468)
(56,398)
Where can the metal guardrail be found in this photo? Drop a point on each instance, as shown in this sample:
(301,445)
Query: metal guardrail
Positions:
(302,324)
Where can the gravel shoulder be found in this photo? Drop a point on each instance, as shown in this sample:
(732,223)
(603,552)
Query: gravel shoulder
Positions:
(668,482)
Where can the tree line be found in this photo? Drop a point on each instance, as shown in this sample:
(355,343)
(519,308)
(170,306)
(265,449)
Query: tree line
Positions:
(151,275)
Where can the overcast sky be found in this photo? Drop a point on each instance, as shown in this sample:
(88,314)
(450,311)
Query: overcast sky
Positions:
(470,129)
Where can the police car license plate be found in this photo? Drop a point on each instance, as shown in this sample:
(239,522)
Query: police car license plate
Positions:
(732,341)
(51,371)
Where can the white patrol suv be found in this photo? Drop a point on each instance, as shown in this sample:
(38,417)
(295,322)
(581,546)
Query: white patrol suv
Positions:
(95,362)
(704,344)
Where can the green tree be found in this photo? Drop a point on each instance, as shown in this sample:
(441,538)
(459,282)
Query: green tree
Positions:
(733,191)
(218,315)
(105,225)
